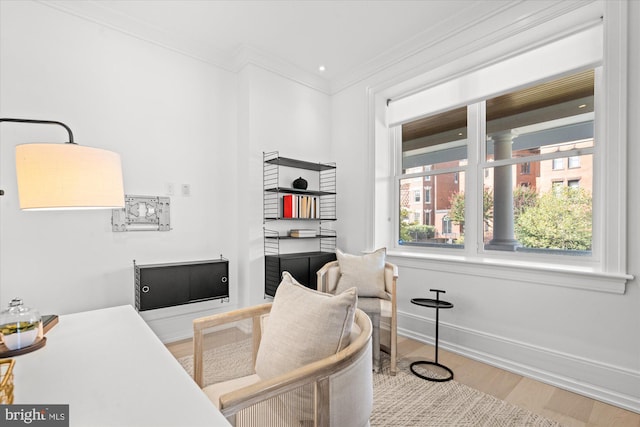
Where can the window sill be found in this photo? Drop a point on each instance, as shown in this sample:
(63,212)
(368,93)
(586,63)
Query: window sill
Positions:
(536,273)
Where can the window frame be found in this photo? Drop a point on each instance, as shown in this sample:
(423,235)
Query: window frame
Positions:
(555,166)
(446,225)
(477,142)
(557,185)
(576,162)
(606,270)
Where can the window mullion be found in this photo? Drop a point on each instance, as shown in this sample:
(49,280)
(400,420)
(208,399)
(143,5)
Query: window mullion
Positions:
(474,184)
(395,136)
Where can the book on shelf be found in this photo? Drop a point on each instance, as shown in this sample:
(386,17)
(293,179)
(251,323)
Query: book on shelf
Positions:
(298,206)
(305,232)
(287,206)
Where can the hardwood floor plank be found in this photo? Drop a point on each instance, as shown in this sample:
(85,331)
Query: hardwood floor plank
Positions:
(181,348)
(604,415)
(530,394)
(500,383)
(570,404)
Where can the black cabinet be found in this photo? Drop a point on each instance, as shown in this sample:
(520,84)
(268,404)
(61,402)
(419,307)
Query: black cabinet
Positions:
(303,266)
(166,285)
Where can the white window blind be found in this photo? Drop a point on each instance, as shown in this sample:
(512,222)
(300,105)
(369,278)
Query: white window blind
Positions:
(581,50)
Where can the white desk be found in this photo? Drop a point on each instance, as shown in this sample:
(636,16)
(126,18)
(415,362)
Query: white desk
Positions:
(112,370)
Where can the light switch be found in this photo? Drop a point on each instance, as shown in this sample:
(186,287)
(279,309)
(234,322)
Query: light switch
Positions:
(186,190)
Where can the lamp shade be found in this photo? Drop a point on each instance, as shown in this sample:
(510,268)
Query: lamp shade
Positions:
(68,176)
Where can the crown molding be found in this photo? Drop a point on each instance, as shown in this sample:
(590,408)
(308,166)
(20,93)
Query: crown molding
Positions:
(426,50)
(99,13)
(492,21)
(420,43)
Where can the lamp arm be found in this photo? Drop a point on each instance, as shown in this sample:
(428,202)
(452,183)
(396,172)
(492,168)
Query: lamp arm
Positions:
(47,122)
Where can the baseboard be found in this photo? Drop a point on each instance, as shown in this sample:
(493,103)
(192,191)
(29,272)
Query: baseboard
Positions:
(607,383)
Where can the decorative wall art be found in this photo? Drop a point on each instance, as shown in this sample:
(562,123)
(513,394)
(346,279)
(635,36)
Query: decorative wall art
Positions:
(142,213)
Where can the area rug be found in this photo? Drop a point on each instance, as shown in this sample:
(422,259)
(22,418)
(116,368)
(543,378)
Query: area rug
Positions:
(403,400)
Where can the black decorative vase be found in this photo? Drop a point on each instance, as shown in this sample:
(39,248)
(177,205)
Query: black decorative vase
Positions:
(300,184)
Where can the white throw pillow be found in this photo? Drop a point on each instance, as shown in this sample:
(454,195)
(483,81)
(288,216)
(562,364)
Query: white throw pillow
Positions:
(304,326)
(365,272)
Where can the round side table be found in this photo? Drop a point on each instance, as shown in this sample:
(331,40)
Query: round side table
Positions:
(437,304)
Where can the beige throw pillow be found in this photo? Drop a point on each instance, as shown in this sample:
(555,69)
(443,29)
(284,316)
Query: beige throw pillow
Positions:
(304,326)
(365,272)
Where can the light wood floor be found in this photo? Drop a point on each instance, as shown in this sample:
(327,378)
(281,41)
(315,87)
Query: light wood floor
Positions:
(569,409)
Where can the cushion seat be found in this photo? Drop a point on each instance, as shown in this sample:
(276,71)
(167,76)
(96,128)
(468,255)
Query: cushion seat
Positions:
(214,391)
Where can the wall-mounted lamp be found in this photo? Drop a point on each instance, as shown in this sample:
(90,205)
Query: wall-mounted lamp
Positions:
(67,176)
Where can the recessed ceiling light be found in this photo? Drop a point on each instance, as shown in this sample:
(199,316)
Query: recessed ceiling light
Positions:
(582,105)
(321,68)
(460,133)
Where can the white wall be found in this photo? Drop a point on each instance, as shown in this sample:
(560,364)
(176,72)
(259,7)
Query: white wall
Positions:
(277,115)
(580,340)
(171,118)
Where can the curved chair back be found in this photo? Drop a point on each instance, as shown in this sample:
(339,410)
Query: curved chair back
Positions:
(342,382)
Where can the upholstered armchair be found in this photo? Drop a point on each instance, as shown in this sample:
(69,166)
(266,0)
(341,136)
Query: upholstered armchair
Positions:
(312,359)
(377,300)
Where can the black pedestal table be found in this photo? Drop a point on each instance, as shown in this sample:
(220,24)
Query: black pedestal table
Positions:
(437,304)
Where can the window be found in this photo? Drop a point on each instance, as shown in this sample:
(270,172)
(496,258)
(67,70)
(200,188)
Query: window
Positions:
(434,96)
(523,129)
(436,153)
(558,164)
(427,217)
(446,225)
(556,187)
(536,127)
(416,196)
(573,183)
(574,162)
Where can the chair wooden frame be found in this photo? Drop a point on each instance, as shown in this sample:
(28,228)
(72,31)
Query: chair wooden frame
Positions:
(317,373)
(391,278)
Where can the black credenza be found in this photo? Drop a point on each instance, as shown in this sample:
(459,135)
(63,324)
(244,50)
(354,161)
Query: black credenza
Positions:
(303,266)
(171,284)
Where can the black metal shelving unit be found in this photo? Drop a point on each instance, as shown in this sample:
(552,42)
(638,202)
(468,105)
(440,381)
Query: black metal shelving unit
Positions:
(303,265)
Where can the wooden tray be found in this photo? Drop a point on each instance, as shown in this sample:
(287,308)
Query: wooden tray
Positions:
(5,352)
